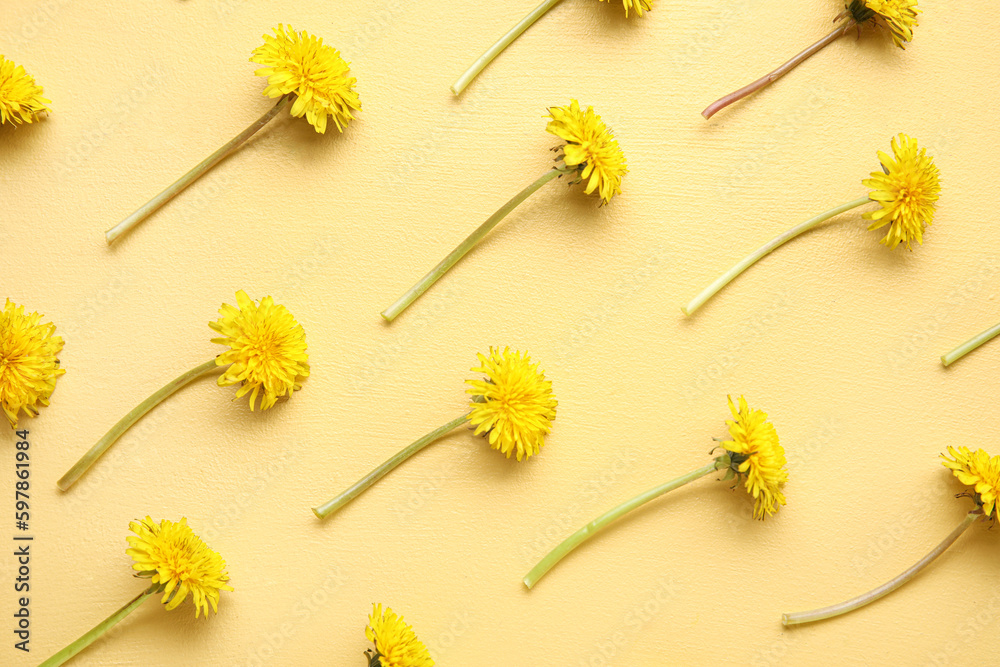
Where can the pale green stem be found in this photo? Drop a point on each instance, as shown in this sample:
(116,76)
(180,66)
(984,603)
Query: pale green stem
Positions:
(768,79)
(128,420)
(89,638)
(187,179)
(884,589)
(328,508)
(412,294)
(749,260)
(501,44)
(969,345)
(592,528)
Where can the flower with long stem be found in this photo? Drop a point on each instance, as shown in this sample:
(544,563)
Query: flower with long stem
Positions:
(638,6)
(512,406)
(899,17)
(752,453)
(301,71)
(590,153)
(176,562)
(906,189)
(970,345)
(21,98)
(266,357)
(29,362)
(976,469)
(396,644)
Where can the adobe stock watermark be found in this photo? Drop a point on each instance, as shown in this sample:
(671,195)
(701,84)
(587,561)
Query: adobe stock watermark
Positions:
(385,356)
(980,623)
(915,345)
(457,627)
(30,24)
(800,113)
(634,279)
(697,45)
(617,643)
(124,456)
(567,520)
(127,101)
(308,605)
(720,367)
(887,537)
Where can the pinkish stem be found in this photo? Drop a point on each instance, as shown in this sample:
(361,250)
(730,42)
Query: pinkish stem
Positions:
(768,79)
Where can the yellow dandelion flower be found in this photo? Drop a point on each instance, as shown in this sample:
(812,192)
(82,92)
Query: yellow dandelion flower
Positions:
(267,349)
(978,470)
(973,468)
(297,63)
(300,71)
(396,645)
(29,365)
(590,153)
(178,563)
(590,149)
(514,405)
(639,6)
(266,357)
(907,188)
(899,16)
(756,453)
(21,98)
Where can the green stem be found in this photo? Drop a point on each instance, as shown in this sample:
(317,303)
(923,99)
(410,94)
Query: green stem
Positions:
(187,179)
(592,528)
(89,638)
(768,79)
(328,508)
(749,260)
(969,345)
(126,422)
(884,589)
(412,294)
(500,45)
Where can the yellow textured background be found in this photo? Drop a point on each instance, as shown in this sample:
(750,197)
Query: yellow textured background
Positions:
(834,335)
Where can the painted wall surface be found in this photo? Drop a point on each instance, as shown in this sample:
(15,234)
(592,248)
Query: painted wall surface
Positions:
(835,336)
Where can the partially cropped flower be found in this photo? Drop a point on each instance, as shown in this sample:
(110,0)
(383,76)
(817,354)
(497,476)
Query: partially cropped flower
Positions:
(753,452)
(978,470)
(267,354)
(299,64)
(29,362)
(756,454)
(21,98)
(396,645)
(513,407)
(898,16)
(266,357)
(177,564)
(638,6)
(590,153)
(907,192)
(175,560)
(590,148)
(302,71)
